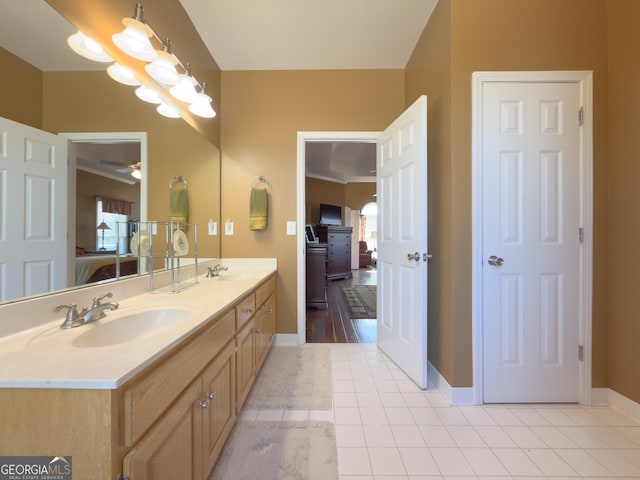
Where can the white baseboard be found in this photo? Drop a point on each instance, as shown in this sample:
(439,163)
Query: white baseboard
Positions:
(454,395)
(286,339)
(464,395)
(626,406)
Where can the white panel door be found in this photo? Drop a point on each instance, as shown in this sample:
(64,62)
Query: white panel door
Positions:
(33,211)
(531,250)
(402,241)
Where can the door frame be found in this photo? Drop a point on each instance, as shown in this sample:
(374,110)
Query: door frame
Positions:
(584,79)
(303,137)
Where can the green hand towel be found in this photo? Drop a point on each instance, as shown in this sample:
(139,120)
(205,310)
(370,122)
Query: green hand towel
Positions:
(179,207)
(258,208)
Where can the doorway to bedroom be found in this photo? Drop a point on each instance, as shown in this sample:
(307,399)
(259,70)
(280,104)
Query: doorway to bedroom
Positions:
(341,210)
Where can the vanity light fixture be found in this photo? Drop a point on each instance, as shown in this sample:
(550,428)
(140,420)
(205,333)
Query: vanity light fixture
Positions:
(149,95)
(167,110)
(88,48)
(134,39)
(123,75)
(185,89)
(163,77)
(202,106)
(163,68)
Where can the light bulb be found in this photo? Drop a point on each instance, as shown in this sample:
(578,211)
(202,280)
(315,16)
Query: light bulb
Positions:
(123,75)
(202,106)
(167,111)
(185,90)
(134,40)
(163,69)
(87,47)
(148,95)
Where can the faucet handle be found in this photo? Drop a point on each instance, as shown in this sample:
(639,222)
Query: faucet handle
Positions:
(97,301)
(72,314)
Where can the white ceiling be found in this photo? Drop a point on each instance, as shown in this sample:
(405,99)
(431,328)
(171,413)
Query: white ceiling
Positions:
(309,34)
(258,35)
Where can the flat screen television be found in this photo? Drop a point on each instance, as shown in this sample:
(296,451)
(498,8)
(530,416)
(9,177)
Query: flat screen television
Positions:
(330,215)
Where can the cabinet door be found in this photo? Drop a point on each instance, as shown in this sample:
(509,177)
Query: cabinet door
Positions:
(245,361)
(218,381)
(166,452)
(265,329)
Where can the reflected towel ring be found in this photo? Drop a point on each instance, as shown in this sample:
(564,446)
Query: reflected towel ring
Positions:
(177,179)
(261,182)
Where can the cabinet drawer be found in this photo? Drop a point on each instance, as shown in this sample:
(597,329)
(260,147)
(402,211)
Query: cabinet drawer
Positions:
(264,290)
(244,309)
(146,399)
(339,237)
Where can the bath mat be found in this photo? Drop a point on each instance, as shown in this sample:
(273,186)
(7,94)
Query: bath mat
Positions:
(279,451)
(360,300)
(297,378)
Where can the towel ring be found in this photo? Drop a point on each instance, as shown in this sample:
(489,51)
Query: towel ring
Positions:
(177,179)
(261,182)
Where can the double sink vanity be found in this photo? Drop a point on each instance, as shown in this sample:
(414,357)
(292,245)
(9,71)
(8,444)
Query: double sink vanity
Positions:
(151,390)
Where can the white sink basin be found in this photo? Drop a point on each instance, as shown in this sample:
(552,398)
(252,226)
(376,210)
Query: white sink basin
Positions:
(120,326)
(129,327)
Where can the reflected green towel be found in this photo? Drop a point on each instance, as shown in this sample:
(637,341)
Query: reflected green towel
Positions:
(179,207)
(258,208)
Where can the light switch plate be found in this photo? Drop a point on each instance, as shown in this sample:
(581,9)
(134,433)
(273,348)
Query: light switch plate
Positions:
(291,228)
(213,227)
(228,227)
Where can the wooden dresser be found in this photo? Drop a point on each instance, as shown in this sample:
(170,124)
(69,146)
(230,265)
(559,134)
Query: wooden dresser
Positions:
(316,261)
(338,240)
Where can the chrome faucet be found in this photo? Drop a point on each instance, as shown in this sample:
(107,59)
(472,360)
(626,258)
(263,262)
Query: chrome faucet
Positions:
(215,271)
(86,315)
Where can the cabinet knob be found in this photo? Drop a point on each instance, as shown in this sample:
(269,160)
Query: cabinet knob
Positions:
(257,330)
(270,312)
(210,395)
(203,403)
(249,310)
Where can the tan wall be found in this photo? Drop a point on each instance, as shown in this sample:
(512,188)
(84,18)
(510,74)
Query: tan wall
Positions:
(88,186)
(261,115)
(507,35)
(429,72)
(353,195)
(174,148)
(358,194)
(622,225)
(20,91)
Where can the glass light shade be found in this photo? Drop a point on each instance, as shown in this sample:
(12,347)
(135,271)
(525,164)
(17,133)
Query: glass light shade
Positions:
(202,106)
(123,75)
(87,47)
(185,89)
(163,69)
(134,40)
(167,111)
(148,95)
(136,174)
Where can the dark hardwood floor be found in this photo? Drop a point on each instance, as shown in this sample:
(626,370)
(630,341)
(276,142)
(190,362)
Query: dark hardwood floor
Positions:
(333,325)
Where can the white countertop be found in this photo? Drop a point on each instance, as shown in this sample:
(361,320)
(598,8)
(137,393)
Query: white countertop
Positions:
(43,355)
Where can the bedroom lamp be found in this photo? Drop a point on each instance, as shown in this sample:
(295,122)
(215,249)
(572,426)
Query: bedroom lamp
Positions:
(103,226)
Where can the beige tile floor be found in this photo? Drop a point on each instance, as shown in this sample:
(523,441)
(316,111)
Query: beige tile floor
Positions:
(387,428)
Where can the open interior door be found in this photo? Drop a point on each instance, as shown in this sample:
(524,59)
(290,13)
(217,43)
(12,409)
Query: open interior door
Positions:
(402,241)
(33,211)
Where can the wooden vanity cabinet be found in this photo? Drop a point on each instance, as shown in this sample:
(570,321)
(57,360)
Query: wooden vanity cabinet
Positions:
(187,440)
(254,338)
(169,422)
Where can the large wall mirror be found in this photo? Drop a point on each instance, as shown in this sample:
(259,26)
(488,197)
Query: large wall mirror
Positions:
(48,87)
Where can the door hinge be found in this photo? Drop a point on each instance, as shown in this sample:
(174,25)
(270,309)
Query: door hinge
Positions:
(580,353)
(581,116)
(580,235)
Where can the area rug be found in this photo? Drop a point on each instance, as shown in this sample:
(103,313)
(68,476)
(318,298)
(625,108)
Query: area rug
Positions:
(297,378)
(360,300)
(279,451)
